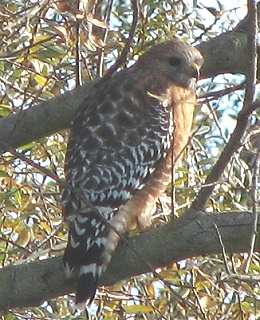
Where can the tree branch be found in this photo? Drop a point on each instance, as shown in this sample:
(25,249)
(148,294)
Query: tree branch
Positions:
(193,235)
(226,53)
(233,144)
(42,120)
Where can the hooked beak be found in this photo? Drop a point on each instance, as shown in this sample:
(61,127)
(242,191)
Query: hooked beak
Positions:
(195,71)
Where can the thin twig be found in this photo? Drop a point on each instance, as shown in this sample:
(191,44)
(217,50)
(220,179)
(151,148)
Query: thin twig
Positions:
(252,52)
(222,249)
(18,53)
(15,245)
(101,50)
(123,56)
(78,55)
(213,95)
(196,295)
(255,198)
(233,144)
(249,97)
(43,170)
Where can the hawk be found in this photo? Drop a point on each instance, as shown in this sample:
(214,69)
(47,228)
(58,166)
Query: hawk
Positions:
(124,139)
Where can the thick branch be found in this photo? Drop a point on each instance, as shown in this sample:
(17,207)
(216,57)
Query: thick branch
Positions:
(42,120)
(226,53)
(194,235)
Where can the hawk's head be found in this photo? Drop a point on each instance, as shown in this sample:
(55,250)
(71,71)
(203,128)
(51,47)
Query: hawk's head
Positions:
(174,60)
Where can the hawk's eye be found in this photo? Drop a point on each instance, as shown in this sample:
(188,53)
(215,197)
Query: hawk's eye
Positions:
(174,61)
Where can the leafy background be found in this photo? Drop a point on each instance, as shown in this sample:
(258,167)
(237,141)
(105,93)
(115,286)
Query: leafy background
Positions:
(49,47)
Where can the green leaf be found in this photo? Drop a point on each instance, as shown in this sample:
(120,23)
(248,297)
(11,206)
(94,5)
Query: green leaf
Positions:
(27,147)
(5,110)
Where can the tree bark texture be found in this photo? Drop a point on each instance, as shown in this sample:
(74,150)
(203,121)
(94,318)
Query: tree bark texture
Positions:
(195,234)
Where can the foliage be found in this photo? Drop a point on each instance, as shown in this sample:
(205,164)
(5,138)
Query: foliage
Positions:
(47,48)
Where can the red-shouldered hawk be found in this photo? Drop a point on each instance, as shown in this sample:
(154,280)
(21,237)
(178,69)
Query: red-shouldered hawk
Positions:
(123,140)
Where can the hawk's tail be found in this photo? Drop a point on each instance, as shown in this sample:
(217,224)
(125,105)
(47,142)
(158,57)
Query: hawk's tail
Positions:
(90,247)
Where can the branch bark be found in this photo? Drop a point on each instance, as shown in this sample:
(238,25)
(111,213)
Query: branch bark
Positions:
(193,235)
(233,144)
(226,53)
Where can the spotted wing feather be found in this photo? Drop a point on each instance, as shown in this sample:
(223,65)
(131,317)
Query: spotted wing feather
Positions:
(115,144)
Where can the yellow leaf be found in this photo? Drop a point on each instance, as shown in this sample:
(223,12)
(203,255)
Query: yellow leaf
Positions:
(45,226)
(38,41)
(97,41)
(23,231)
(150,289)
(41,38)
(24,236)
(207,302)
(138,309)
(40,79)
